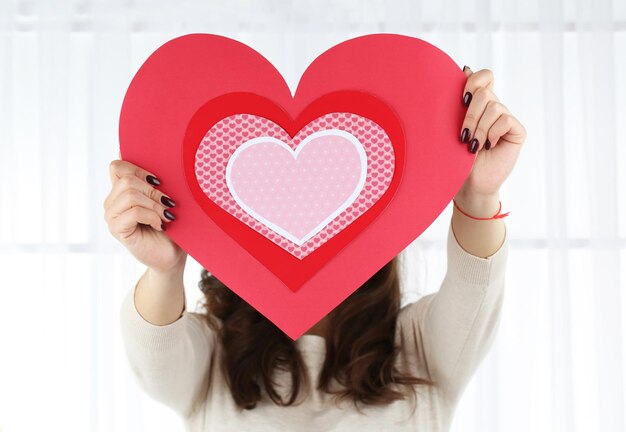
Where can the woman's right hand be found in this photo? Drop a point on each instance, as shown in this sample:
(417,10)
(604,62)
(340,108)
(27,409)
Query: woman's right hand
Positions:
(135,212)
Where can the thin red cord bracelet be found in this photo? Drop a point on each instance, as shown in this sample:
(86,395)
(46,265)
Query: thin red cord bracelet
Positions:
(495,216)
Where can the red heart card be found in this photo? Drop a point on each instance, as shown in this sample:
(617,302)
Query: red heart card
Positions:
(295,201)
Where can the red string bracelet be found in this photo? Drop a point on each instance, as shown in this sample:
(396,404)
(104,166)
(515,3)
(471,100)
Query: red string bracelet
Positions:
(495,216)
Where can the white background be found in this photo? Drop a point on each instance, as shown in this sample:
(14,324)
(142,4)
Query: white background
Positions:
(560,66)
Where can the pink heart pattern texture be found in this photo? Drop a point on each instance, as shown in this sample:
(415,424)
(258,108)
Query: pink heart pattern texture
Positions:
(297,192)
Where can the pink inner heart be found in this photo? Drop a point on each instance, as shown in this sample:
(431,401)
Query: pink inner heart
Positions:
(297,193)
(224,138)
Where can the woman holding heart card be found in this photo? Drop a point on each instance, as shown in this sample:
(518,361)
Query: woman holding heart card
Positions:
(369,364)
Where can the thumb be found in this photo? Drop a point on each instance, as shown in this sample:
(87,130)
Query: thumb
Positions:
(467,71)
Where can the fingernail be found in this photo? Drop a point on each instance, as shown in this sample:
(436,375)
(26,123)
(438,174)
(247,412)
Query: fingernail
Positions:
(167,201)
(474,145)
(467,98)
(465,67)
(153,180)
(464,135)
(487,145)
(168,214)
(163,227)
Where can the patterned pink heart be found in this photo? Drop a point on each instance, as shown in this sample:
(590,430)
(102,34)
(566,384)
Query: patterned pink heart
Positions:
(297,192)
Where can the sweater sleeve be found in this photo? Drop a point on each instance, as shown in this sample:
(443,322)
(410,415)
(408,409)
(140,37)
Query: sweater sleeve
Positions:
(170,363)
(449,332)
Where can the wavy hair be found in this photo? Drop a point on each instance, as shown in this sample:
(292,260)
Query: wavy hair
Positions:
(362,362)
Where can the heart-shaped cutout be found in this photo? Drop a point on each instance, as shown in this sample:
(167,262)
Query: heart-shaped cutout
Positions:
(408,87)
(298,192)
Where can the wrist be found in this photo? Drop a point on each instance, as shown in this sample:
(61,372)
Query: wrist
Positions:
(478,205)
(160,296)
(168,277)
(174,269)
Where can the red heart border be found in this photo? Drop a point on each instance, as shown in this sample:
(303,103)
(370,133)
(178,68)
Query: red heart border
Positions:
(292,271)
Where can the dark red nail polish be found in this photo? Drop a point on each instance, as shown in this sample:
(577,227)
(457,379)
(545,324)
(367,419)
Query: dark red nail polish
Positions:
(474,145)
(167,201)
(168,214)
(153,180)
(467,98)
(487,145)
(465,135)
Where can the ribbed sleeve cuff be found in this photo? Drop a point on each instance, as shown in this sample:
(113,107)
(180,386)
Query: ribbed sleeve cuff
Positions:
(474,269)
(136,330)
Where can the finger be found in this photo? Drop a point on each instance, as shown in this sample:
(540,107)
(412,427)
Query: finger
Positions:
(467,96)
(125,224)
(482,78)
(506,127)
(131,181)
(118,168)
(493,111)
(475,111)
(133,198)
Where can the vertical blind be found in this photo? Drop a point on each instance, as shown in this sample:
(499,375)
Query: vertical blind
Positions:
(558,360)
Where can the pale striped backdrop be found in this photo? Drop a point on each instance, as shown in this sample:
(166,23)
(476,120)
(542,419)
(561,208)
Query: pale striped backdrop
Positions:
(560,66)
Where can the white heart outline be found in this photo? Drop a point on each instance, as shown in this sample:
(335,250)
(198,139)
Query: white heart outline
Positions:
(277,229)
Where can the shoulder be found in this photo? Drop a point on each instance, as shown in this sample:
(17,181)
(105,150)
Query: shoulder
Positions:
(410,313)
(409,338)
(205,324)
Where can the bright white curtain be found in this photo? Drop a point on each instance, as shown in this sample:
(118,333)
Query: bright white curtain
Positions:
(560,66)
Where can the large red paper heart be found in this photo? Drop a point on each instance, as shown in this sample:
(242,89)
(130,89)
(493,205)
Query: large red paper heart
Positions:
(405,86)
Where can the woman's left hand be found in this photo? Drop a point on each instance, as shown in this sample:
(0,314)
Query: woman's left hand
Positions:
(491,130)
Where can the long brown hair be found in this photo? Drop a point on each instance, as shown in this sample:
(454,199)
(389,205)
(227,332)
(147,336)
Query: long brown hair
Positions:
(362,362)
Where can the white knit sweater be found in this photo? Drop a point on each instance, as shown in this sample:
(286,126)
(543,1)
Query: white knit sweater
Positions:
(443,336)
